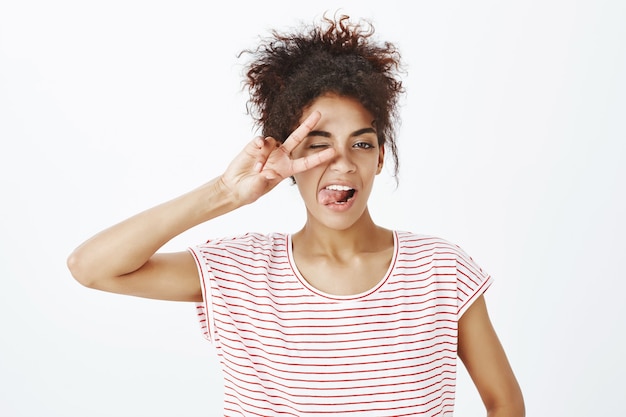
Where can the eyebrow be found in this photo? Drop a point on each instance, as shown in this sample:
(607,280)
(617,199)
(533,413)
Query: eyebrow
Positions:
(359,132)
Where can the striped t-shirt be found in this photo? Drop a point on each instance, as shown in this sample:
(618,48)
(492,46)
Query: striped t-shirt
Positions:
(287,349)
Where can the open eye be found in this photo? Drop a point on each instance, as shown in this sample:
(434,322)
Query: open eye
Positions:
(363,145)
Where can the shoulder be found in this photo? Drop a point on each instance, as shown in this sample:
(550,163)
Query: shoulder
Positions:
(242,255)
(426,243)
(252,243)
(249,240)
(422,246)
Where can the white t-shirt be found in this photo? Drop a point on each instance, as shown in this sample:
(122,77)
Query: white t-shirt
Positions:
(287,349)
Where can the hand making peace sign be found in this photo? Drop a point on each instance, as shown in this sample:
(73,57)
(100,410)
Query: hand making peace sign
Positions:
(263,163)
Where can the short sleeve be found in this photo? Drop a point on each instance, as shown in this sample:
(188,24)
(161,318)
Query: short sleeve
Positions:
(472,281)
(204,309)
(226,267)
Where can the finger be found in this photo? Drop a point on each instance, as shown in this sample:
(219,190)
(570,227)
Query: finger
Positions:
(273,143)
(258,150)
(311,161)
(301,132)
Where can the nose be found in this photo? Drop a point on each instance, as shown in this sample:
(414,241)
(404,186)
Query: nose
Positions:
(342,162)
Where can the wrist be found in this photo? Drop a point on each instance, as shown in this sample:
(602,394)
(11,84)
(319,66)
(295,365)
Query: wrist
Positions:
(214,199)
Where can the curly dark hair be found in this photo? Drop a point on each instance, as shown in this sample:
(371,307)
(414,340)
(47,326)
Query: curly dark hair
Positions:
(288,71)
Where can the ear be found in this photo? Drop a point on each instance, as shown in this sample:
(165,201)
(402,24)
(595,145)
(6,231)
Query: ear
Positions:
(381,159)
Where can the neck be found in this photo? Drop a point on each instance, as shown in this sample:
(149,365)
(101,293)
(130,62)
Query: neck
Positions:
(362,236)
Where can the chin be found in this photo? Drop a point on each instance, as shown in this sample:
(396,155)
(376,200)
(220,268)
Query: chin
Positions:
(338,221)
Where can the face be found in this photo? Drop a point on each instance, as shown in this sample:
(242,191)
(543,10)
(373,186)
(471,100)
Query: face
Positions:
(336,193)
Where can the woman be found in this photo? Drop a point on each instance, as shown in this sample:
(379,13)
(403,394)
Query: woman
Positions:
(343,317)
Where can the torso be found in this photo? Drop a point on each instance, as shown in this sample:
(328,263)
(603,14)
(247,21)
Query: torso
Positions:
(287,349)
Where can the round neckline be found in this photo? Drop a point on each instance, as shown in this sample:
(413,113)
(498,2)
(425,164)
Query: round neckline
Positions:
(337,297)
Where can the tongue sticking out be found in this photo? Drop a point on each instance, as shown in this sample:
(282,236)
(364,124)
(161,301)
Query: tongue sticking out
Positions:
(327,196)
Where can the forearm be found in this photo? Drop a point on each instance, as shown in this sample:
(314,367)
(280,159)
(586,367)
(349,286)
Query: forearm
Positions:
(126,246)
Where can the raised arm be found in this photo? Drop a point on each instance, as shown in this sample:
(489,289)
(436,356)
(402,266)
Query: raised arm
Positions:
(487,364)
(123,258)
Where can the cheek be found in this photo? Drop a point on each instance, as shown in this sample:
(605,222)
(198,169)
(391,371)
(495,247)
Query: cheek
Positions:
(307,192)
(371,165)
(303,181)
(308,181)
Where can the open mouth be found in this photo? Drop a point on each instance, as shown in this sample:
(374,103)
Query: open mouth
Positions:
(336,194)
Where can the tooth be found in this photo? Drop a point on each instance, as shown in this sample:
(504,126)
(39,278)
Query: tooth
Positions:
(338,188)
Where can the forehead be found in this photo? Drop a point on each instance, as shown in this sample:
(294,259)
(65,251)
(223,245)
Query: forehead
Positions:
(338,111)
